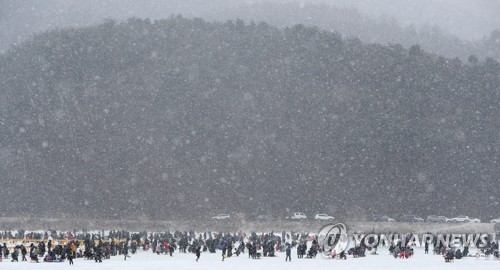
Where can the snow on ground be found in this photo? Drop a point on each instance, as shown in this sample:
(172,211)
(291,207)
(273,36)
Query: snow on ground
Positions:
(234,225)
(180,261)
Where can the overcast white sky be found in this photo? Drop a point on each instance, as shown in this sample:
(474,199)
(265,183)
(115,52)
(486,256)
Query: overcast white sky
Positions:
(468,19)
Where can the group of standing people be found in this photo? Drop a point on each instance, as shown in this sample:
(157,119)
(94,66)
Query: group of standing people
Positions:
(102,245)
(96,247)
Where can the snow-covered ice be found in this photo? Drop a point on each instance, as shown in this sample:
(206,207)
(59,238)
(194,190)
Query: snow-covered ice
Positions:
(149,260)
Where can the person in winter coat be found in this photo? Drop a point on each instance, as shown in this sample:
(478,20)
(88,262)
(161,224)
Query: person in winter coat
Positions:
(449,256)
(229,249)
(158,248)
(125,251)
(166,246)
(24,252)
(342,255)
(288,253)
(70,257)
(466,251)
(49,246)
(249,247)
(198,253)
(15,255)
(171,250)
(34,254)
(97,254)
(223,252)
(6,251)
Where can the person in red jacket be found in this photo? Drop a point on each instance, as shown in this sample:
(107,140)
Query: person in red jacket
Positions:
(167,246)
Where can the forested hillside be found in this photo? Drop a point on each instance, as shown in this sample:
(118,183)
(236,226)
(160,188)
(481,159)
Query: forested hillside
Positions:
(19,20)
(352,23)
(186,118)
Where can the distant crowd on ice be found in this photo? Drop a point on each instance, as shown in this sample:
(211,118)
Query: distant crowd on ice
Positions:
(53,246)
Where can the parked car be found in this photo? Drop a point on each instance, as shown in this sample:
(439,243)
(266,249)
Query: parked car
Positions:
(475,220)
(380,218)
(411,218)
(434,218)
(465,219)
(323,217)
(495,220)
(461,219)
(221,217)
(297,216)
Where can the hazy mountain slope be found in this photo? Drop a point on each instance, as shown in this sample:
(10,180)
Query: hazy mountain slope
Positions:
(427,23)
(184,118)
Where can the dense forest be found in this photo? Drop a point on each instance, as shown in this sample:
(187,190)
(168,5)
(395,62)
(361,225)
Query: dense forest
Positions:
(20,19)
(183,118)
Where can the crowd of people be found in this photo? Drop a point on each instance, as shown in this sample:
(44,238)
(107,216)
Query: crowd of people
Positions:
(53,246)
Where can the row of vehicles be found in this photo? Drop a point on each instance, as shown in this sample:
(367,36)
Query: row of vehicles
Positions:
(376,218)
(294,216)
(431,218)
(300,215)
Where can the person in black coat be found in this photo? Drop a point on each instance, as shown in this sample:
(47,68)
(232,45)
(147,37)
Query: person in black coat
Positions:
(70,256)
(288,253)
(15,255)
(449,256)
(6,251)
(198,253)
(171,249)
(24,252)
(466,251)
(342,255)
(229,249)
(34,254)
(249,247)
(125,251)
(97,254)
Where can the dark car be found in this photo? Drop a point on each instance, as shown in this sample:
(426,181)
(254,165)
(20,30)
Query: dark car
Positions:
(411,218)
(434,218)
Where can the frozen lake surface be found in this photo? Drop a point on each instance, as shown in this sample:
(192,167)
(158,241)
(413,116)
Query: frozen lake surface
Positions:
(148,260)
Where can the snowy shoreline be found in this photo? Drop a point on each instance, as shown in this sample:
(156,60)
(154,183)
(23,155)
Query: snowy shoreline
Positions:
(32,223)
